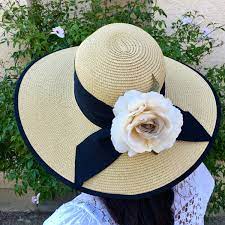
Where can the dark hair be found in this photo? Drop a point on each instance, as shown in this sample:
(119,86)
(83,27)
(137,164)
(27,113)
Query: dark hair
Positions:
(154,210)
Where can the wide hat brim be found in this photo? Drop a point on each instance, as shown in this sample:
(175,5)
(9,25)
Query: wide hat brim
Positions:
(52,125)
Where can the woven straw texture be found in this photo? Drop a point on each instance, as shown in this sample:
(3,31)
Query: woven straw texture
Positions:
(116,58)
(54,124)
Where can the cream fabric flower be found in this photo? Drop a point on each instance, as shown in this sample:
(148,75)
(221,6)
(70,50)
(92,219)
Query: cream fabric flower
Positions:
(144,122)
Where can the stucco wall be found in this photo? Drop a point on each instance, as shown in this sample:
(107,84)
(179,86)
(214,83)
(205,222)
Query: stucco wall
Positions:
(213,10)
(5,50)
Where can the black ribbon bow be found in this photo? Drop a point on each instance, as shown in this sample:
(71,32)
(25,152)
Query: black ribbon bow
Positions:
(97,152)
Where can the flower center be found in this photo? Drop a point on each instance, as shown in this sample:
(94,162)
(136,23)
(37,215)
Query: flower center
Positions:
(147,128)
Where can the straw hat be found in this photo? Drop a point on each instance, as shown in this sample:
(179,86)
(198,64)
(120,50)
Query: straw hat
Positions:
(57,103)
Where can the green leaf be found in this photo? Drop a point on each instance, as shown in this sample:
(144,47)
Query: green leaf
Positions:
(30,164)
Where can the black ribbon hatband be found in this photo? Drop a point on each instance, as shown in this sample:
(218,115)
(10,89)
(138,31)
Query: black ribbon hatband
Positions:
(97,152)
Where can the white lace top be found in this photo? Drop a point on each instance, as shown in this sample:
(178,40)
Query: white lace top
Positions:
(190,203)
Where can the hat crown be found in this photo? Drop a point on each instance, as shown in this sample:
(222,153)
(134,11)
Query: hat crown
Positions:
(116,58)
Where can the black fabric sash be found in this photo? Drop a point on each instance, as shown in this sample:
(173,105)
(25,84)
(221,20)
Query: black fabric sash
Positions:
(97,152)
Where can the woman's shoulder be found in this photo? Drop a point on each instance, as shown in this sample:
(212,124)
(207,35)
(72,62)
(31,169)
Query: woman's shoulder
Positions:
(191,196)
(199,181)
(85,209)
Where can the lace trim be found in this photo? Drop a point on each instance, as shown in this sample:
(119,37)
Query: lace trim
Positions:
(95,206)
(191,197)
(188,204)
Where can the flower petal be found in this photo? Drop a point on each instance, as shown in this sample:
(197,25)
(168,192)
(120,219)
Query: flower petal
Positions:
(122,103)
(118,132)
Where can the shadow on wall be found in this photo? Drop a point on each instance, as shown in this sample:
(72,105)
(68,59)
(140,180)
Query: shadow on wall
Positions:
(213,10)
(5,50)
